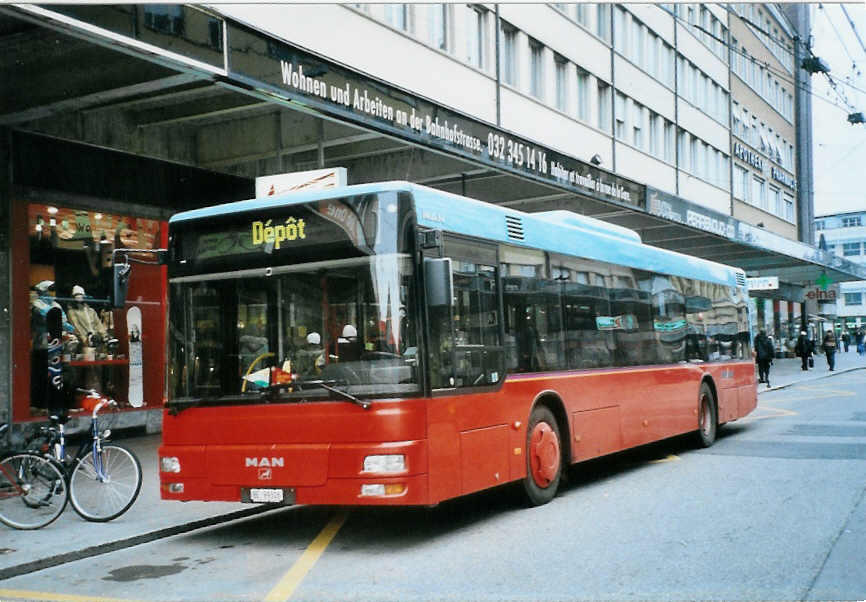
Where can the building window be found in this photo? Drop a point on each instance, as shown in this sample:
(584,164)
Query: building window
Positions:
(620,33)
(669,141)
(654,131)
(776,199)
(536,69)
(694,164)
(561,83)
(604,92)
(759,192)
(509,54)
(850,222)
(476,40)
(740,182)
(438,25)
(397,15)
(789,207)
(819,225)
(850,249)
(582,95)
(582,14)
(637,126)
(853,298)
(602,22)
(619,115)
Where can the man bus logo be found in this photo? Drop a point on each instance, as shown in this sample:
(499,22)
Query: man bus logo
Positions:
(265,474)
(264,462)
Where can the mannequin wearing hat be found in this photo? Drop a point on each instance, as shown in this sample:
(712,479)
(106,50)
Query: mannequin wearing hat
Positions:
(89,328)
(41,302)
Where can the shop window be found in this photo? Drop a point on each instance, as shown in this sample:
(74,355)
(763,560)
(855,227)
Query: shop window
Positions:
(70,267)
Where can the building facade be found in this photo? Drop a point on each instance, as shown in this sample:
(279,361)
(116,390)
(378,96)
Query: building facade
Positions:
(680,121)
(845,235)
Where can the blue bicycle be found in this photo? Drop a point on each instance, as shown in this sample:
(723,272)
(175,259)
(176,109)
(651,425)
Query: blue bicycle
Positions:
(104,478)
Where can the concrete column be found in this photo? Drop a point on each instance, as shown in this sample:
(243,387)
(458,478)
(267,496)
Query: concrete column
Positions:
(5,277)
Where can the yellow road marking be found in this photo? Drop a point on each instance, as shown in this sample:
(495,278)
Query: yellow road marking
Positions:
(286,587)
(776,413)
(20,594)
(670,458)
(826,391)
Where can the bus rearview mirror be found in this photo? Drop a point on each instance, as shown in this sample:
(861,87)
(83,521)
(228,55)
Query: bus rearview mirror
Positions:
(438,282)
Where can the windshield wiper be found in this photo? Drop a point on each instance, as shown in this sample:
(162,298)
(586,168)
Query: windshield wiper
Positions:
(321,383)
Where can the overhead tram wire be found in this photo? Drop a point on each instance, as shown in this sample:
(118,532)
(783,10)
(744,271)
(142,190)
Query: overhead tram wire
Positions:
(838,35)
(854,29)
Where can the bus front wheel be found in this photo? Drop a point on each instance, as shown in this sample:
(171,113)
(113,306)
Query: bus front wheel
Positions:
(543,457)
(708,422)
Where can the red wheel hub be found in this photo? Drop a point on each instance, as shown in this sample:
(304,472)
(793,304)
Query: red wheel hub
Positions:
(544,456)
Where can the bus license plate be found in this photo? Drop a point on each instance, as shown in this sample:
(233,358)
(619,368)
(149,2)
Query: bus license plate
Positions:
(271,496)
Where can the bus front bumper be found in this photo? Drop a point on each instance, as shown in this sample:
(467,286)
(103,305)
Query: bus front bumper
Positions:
(327,474)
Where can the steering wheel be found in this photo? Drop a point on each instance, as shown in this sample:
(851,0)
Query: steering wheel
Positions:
(252,365)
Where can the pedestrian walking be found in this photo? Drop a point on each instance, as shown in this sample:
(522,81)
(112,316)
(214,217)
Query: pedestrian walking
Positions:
(830,348)
(763,356)
(846,340)
(858,338)
(803,349)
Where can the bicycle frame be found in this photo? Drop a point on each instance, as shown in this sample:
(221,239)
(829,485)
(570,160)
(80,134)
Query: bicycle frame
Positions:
(57,437)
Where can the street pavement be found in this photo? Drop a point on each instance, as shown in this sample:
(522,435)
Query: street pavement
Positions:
(72,538)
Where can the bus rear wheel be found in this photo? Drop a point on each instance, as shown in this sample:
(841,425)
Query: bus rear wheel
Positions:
(543,457)
(708,423)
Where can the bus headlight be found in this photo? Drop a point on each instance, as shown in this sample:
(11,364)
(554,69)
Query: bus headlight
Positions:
(169,464)
(390,463)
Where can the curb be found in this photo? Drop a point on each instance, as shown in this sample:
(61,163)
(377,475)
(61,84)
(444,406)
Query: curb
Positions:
(810,379)
(128,542)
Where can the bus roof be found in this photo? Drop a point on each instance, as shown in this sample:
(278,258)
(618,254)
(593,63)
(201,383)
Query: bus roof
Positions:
(562,231)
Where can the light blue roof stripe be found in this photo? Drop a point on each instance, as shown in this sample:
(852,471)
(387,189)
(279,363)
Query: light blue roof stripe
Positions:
(574,235)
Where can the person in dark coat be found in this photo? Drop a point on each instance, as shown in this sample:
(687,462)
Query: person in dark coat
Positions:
(763,356)
(846,340)
(858,338)
(803,349)
(829,344)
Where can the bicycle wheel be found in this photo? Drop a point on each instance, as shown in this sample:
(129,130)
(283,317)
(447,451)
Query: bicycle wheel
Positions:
(33,491)
(102,498)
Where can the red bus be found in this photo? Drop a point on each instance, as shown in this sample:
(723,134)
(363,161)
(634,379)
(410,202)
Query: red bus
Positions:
(391,344)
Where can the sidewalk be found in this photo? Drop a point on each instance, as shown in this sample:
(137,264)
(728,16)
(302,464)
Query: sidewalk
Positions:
(788,371)
(70,537)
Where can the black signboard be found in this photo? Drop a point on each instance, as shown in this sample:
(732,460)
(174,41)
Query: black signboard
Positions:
(281,70)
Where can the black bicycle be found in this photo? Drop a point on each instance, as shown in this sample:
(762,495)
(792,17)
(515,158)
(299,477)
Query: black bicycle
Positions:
(104,478)
(33,489)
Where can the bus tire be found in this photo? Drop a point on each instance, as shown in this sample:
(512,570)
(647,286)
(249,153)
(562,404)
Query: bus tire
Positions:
(543,457)
(708,416)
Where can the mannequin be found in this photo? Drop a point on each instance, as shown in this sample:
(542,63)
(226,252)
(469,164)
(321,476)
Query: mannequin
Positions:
(41,302)
(88,327)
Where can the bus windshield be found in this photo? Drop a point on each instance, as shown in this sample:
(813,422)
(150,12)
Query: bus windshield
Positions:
(344,323)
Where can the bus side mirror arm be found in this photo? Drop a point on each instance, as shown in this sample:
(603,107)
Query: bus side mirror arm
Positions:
(123,270)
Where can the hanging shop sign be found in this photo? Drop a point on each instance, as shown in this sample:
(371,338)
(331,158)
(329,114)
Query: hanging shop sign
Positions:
(766,283)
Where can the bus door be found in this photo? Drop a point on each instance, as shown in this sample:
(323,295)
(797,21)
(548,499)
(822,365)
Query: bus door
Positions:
(469,430)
